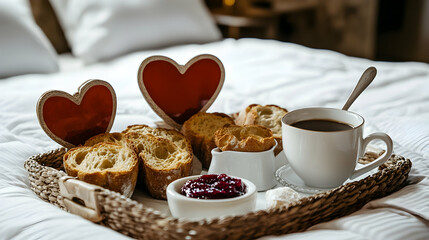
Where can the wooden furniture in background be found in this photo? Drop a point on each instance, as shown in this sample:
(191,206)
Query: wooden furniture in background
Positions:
(403,30)
(347,26)
(237,15)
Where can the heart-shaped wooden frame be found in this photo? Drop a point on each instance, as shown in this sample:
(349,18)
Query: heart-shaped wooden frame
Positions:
(182,70)
(77,99)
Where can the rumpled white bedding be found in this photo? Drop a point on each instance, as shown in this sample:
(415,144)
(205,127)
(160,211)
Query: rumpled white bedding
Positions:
(257,71)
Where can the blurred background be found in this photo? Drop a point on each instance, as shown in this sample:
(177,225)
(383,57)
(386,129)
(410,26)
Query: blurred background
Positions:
(391,30)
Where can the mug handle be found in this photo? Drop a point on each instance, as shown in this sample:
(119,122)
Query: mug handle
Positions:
(380,160)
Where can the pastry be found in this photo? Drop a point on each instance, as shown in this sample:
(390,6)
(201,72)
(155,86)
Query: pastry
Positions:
(249,138)
(269,116)
(282,196)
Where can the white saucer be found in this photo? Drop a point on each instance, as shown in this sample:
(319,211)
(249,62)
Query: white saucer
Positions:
(287,177)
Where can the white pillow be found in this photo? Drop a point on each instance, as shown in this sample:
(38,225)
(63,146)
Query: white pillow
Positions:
(99,30)
(23,46)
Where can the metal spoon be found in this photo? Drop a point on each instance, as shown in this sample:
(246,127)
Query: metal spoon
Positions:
(363,83)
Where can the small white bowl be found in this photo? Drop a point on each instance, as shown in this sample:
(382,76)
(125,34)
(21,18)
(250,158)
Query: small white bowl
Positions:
(258,167)
(196,209)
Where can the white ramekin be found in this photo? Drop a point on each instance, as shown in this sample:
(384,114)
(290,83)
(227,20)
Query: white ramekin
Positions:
(195,209)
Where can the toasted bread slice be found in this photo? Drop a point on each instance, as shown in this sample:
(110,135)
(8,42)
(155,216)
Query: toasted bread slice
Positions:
(200,129)
(161,160)
(249,138)
(109,165)
(171,134)
(117,138)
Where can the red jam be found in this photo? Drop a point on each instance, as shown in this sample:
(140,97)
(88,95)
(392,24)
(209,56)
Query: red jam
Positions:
(214,186)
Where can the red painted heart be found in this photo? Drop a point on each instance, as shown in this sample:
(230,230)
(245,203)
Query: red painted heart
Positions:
(71,120)
(176,92)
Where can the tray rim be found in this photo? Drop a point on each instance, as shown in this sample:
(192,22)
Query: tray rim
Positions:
(44,177)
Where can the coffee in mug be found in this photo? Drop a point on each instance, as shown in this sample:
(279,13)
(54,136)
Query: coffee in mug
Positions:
(323,125)
(323,145)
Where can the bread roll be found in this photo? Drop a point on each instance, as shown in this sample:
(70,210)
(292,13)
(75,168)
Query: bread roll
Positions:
(200,129)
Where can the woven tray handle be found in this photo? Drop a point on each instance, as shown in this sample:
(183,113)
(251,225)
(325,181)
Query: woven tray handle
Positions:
(80,198)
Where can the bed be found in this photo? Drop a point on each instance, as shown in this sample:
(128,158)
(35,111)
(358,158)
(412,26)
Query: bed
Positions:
(257,71)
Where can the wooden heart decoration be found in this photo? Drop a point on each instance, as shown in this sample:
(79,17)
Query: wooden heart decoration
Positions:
(176,92)
(71,120)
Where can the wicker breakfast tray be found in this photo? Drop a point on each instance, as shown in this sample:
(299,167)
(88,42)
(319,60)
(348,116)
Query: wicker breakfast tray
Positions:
(132,218)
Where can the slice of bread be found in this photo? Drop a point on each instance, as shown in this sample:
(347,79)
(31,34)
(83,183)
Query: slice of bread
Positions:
(269,116)
(249,138)
(161,160)
(175,136)
(117,138)
(109,165)
(200,129)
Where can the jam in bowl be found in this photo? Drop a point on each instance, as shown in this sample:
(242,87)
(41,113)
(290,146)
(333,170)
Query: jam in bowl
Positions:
(209,196)
(214,186)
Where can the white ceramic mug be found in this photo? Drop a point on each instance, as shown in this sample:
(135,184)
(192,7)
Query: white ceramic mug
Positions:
(327,159)
(257,167)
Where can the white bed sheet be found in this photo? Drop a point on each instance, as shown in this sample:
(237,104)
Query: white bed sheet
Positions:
(257,71)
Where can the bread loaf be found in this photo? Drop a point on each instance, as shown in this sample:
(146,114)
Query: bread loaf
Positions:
(200,129)
(161,160)
(249,138)
(269,116)
(109,165)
